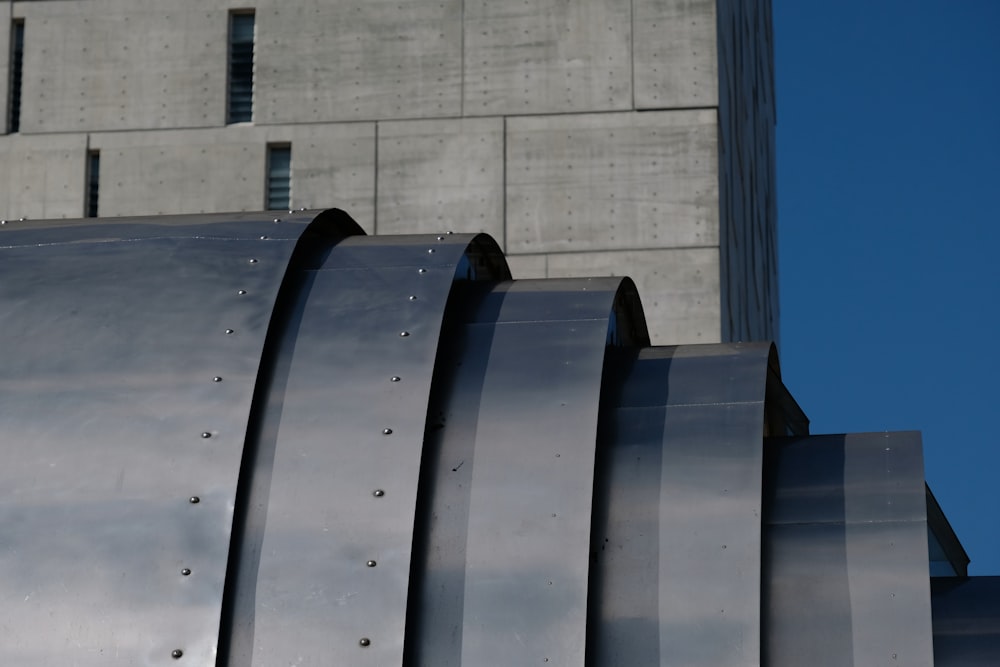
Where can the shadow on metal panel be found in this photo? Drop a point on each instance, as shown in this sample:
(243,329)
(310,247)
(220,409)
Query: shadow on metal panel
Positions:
(256,439)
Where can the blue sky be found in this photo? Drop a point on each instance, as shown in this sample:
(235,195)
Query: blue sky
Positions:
(888,146)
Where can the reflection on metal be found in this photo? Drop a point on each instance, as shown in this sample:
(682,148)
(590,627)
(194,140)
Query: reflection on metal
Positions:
(258,440)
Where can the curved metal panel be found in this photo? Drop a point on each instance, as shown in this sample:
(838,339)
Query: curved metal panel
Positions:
(846,575)
(345,429)
(677,528)
(510,464)
(966,613)
(124,402)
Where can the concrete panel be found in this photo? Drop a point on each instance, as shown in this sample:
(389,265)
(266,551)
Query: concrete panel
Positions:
(358,59)
(334,166)
(123,64)
(42,176)
(181,171)
(545,56)
(679,288)
(675,54)
(612,181)
(217,170)
(527,266)
(6,15)
(441,175)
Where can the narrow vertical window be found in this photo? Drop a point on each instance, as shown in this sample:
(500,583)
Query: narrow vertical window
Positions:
(279,177)
(16,62)
(241,29)
(93,182)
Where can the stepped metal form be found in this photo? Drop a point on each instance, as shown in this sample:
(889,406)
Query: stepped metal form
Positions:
(268,439)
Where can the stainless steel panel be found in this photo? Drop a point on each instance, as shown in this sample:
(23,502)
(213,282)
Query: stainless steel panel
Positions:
(966,621)
(677,542)
(852,508)
(346,427)
(125,387)
(507,541)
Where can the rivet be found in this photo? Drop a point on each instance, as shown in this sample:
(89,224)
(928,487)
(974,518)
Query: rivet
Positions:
(186,572)
(303,208)
(277,219)
(404,334)
(206,434)
(291,212)
(449,233)
(364,641)
(229,332)
(3,222)
(394,378)
(176,653)
(387,431)
(217,378)
(378,493)
(263,238)
(253,261)
(194,500)
(430,251)
(440,238)
(421,270)
(241,292)
(413,297)
(21,219)
(371,563)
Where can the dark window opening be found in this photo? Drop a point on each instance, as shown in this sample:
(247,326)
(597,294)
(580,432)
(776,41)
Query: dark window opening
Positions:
(279,177)
(93,182)
(241,29)
(16,63)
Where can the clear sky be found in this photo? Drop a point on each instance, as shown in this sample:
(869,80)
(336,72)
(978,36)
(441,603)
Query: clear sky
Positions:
(888,146)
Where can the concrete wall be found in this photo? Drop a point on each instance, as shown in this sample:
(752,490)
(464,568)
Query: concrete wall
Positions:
(589,137)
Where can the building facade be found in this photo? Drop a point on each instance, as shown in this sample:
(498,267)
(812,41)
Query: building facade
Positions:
(600,137)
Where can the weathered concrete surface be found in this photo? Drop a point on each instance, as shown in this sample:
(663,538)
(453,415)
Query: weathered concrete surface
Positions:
(540,56)
(42,176)
(612,181)
(322,61)
(675,54)
(440,175)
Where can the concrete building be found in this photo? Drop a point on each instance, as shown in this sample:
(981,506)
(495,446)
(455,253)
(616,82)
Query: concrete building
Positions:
(594,137)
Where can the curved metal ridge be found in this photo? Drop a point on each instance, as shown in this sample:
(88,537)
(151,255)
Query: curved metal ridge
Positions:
(345,431)
(125,383)
(677,531)
(846,528)
(267,439)
(506,544)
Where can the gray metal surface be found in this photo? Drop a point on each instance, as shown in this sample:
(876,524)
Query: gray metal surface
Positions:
(507,541)
(266,439)
(678,533)
(846,551)
(328,551)
(130,357)
(966,613)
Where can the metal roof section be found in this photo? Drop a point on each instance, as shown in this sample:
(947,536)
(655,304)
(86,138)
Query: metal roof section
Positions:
(268,439)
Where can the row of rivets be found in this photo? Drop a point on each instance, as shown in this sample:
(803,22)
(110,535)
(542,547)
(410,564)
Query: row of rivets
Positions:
(379,493)
(176,654)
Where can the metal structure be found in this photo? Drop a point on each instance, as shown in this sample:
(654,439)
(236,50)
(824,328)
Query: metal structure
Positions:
(266,440)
